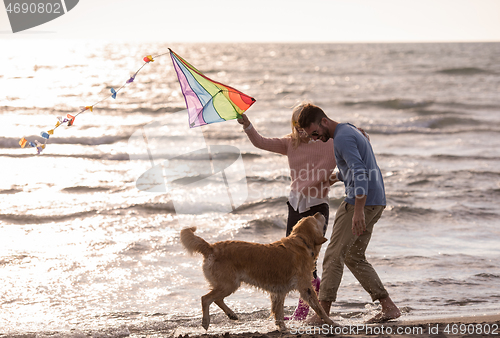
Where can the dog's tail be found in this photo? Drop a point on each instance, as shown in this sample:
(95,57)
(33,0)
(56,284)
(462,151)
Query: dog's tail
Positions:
(193,243)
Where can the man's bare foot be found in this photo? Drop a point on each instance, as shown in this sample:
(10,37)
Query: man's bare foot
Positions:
(389,311)
(316,320)
(383,317)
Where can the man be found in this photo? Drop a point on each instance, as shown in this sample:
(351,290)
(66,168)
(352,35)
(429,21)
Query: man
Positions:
(356,216)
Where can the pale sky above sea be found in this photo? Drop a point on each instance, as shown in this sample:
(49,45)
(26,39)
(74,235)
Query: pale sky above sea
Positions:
(271,21)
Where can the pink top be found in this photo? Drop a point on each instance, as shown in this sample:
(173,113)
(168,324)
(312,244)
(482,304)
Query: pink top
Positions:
(311,165)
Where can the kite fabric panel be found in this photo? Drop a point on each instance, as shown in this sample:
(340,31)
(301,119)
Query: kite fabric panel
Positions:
(208,101)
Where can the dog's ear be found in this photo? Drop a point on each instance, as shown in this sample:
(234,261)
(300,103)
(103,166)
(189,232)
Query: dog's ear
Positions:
(320,241)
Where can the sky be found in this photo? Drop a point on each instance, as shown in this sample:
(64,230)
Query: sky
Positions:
(271,21)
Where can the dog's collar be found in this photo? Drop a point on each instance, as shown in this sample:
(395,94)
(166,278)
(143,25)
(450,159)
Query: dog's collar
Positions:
(305,243)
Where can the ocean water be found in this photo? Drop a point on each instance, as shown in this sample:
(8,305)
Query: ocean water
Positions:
(85,250)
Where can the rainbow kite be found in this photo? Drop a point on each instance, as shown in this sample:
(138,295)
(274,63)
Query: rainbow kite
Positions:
(207,101)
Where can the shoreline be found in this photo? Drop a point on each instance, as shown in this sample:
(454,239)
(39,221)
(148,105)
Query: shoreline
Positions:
(487,325)
(490,318)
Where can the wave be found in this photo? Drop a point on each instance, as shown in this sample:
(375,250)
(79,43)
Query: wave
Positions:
(392,103)
(85,189)
(447,157)
(427,112)
(266,224)
(435,125)
(461,212)
(262,206)
(440,261)
(443,122)
(11,142)
(201,155)
(493,175)
(470,106)
(217,134)
(13,260)
(152,207)
(105,156)
(493,192)
(464,213)
(37,67)
(266,179)
(420,182)
(190,179)
(137,248)
(10,191)
(250,155)
(463,302)
(486,276)
(425,107)
(407,212)
(89,141)
(156,111)
(448,281)
(49,111)
(145,208)
(465,71)
(35,219)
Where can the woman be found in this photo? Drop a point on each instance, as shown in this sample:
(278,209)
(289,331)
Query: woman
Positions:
(311,173)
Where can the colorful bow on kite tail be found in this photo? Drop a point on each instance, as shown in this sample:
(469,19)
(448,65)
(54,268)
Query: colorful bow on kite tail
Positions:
(207,101)
(68,121)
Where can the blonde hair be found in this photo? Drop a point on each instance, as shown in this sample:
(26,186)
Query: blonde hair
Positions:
(294,135)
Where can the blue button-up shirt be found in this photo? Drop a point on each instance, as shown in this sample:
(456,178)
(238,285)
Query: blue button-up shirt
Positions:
(357,165)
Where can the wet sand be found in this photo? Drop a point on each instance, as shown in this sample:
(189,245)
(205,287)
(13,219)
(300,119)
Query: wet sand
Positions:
(471,326)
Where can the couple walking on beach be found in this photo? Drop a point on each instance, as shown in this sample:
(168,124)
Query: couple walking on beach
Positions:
(312,167)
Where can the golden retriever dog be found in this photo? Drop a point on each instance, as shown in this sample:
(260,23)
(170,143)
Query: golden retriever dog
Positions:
(277,268)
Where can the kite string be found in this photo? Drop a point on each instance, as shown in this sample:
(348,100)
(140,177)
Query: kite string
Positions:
(71,119)
(116,91)
(156,56)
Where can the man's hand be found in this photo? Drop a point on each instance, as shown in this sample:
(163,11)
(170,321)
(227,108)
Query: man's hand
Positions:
(333,179)
(365,134)
(358,220)
(358,223)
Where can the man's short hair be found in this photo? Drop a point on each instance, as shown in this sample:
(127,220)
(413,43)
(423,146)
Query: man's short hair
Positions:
(310,114)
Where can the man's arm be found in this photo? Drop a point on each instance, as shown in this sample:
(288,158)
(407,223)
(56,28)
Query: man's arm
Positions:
(359,172)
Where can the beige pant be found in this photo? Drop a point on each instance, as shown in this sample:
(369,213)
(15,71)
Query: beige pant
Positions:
(344,247)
